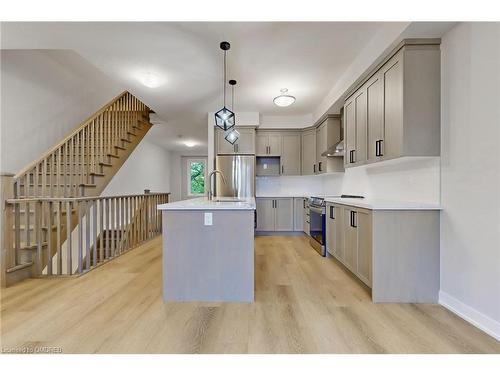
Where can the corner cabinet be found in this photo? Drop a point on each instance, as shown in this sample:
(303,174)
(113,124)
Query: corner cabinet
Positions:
(244,145)
(394,252)
(396,112)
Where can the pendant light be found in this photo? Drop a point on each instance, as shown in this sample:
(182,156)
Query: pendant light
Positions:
(284,100)
(224,118)
(232,134)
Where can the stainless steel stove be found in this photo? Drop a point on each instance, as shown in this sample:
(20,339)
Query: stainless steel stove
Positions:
(317,215)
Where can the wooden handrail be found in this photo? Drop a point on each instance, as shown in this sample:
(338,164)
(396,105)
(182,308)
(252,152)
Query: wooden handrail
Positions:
(72,134)
(71,165)
(75,199)
(67,236)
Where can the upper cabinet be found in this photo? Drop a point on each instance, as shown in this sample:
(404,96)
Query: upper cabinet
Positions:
(396,112)
(244,145)
(309,152)
(290,154)
(268,144)
(278,152)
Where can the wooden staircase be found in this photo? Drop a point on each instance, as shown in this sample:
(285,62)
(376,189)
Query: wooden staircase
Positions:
(60,191)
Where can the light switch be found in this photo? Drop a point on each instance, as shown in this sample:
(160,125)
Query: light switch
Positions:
(208,218)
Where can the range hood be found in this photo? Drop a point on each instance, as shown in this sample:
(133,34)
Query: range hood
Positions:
(336,150)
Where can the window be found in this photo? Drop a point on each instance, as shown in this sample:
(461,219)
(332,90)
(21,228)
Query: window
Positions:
(196,176)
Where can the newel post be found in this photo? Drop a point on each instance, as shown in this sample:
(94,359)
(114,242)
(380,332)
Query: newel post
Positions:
(6,192)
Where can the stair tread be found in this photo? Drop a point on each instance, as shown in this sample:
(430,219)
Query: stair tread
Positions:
(19,267)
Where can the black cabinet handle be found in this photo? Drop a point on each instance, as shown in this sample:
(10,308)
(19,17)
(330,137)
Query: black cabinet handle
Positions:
(380,147)
(282,169)
(352,159)
(332,212)
(314,168)
(319,166)
(354,220)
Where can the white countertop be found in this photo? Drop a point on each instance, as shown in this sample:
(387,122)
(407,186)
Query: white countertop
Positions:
(203,204)
(374,204)
(283,196)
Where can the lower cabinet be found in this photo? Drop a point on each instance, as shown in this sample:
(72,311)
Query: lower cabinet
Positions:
(349,239)
(299,206)
(275,214)
(393,251)
(307,217)
(335,231)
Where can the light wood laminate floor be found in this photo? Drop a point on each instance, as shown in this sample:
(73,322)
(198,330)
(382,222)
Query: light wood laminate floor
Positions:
(304,304)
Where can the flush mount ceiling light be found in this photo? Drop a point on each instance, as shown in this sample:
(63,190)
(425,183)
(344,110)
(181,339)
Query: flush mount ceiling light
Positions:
(190,144)
(150,80)
(224,118)
(284,100)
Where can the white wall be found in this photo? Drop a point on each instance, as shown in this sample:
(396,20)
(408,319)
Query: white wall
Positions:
(148,167)
(45,94)
(470,173)
(407,179)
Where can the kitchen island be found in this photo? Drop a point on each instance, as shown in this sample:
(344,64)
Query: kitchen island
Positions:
(208,250)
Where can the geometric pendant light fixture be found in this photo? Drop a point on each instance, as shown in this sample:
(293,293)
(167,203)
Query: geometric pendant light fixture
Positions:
(232,134)
(224,118)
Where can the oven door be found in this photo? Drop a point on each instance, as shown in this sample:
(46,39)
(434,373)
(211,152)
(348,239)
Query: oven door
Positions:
(317,224)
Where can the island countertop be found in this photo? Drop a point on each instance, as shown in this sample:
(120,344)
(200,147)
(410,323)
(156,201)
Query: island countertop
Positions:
(204,204)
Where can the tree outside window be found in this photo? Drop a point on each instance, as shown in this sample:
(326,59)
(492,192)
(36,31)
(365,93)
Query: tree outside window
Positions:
(196,169)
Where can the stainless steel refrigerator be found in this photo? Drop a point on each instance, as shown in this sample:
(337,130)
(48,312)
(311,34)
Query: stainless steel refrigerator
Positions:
(239,171)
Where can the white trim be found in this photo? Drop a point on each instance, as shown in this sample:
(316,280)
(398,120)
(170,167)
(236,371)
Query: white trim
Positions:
(188,175)
(474,317)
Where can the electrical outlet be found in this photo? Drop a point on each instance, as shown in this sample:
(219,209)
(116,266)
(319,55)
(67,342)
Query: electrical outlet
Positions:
(264,166)
(208,218)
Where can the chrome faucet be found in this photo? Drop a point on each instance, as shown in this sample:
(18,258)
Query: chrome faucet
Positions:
(210,194)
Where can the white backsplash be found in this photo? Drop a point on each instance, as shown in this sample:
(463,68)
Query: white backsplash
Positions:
(405,179)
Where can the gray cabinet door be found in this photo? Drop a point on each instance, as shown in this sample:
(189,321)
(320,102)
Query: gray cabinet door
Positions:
(298,214)
(246,143)
(321,146)
(274,142)
(392,74)
(364,249)
(290,154)
(309,152)
(307,218)
(265,214)
(330,229)
(283,219)
(349,132)
(261,143)
(375,117)
(360,153)
(350,240)
(223,146)
(339,248)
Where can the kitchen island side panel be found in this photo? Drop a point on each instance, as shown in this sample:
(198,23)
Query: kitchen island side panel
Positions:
(208,263)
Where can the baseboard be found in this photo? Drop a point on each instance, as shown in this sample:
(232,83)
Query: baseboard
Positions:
(474,317)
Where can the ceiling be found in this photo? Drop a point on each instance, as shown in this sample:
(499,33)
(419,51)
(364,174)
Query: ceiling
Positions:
(306,58)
